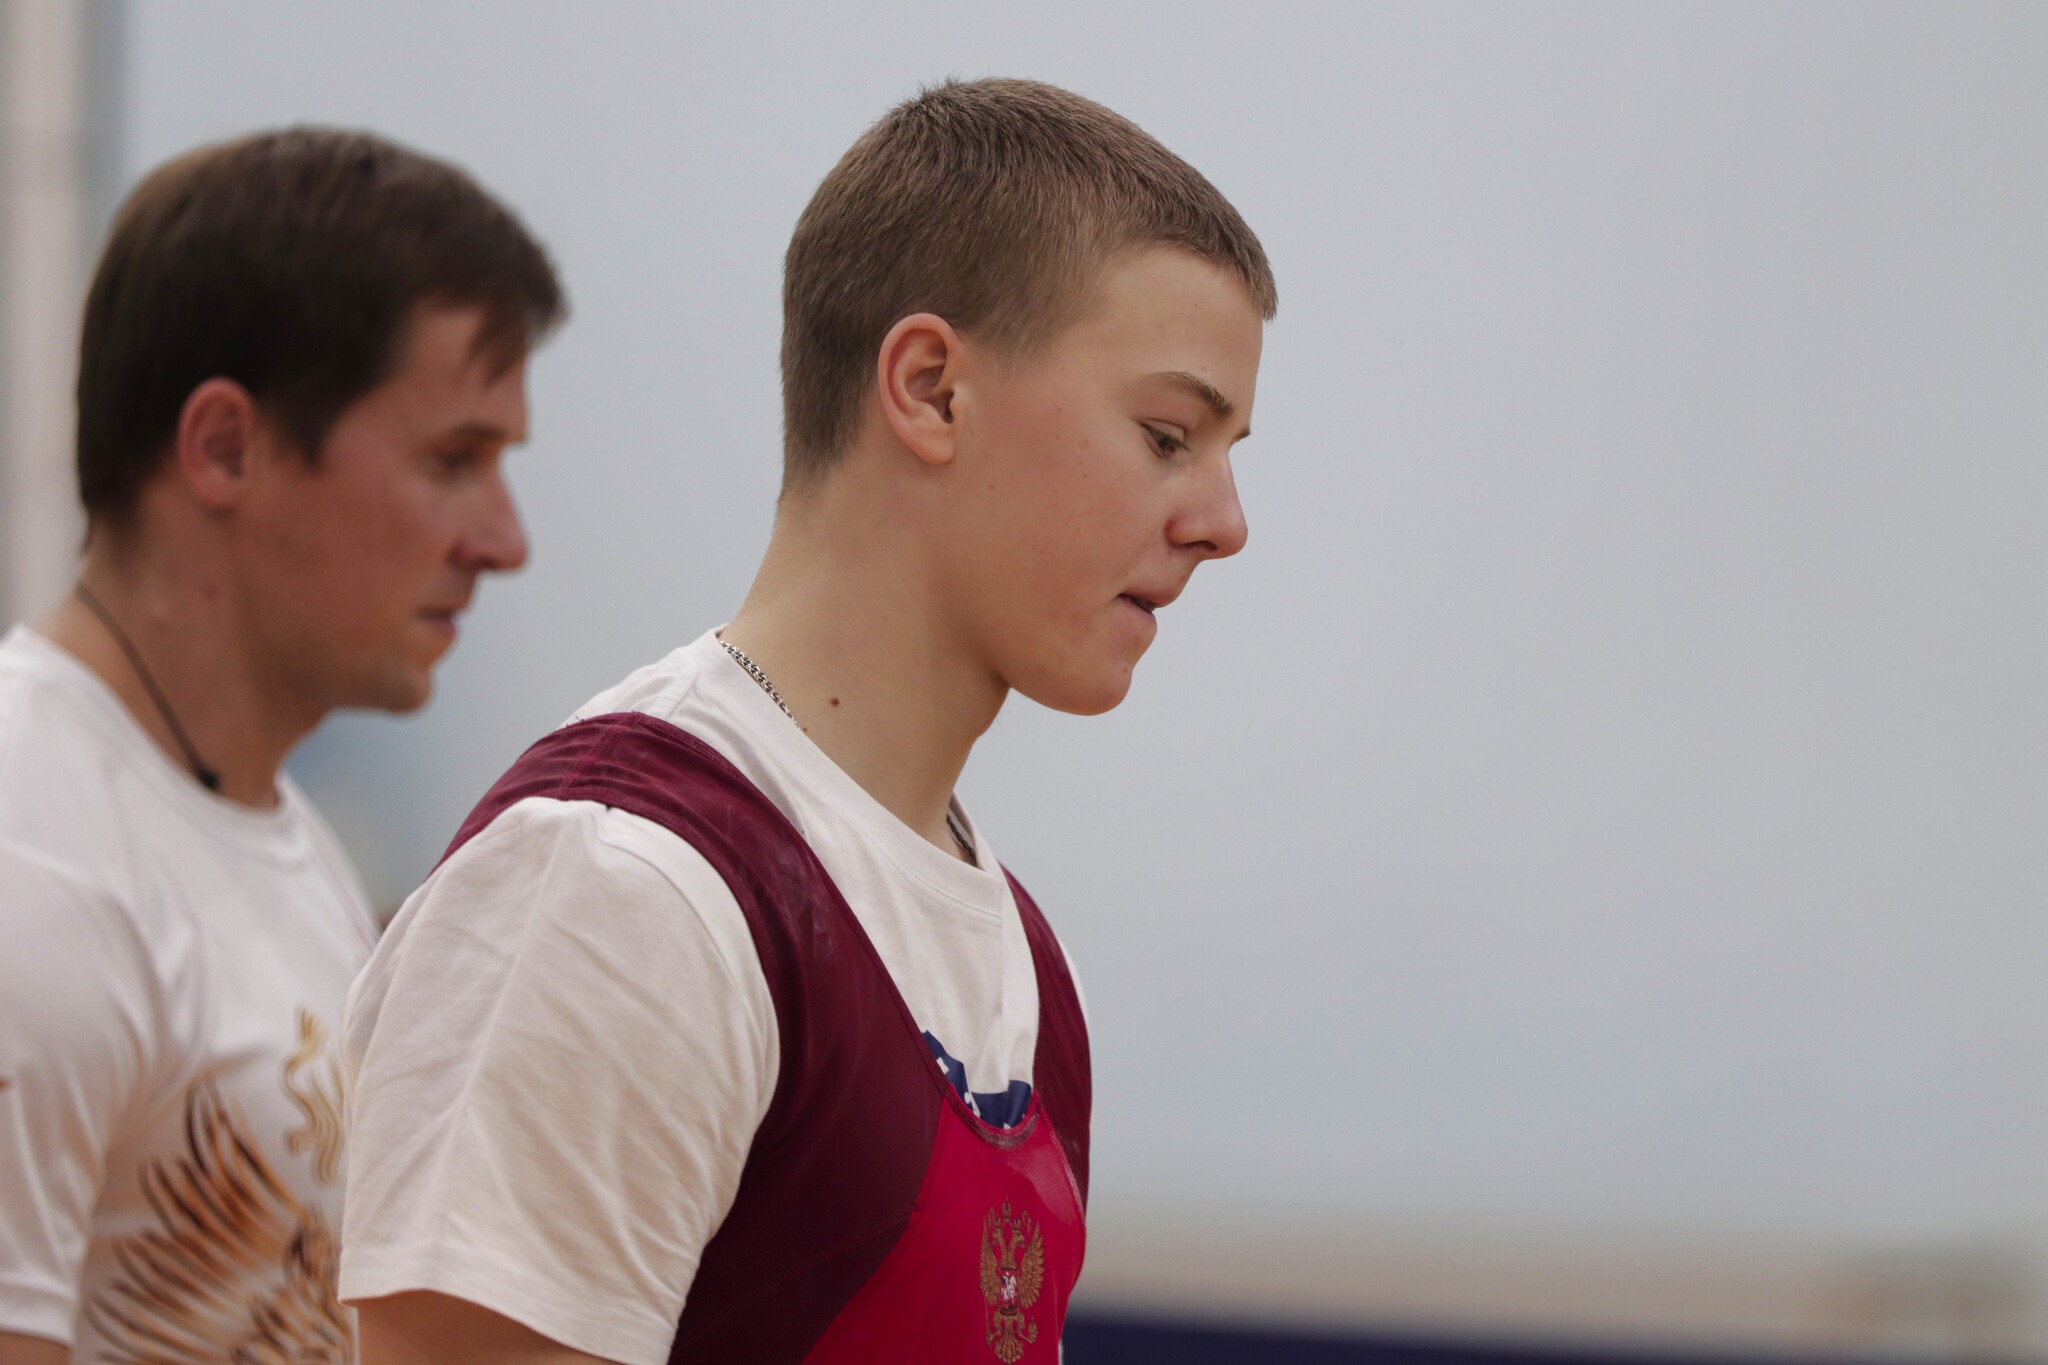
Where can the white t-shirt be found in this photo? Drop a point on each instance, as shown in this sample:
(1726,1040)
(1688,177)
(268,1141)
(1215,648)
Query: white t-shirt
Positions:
(172,971)
(565,1043)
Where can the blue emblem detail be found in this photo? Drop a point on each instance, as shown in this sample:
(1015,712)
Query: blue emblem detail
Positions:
(998,1108)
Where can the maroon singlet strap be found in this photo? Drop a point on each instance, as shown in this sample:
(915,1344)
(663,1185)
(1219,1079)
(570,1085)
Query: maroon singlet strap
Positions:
(1060,1071)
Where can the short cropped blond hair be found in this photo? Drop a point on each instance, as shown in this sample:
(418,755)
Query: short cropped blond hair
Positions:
(994,204)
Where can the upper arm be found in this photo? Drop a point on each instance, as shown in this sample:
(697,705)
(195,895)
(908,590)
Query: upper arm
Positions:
(18,1350)
(561,1050)
(434,1329)
(77,1019)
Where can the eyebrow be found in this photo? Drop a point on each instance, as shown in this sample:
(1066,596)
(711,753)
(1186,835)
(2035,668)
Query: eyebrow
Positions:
(1202,389)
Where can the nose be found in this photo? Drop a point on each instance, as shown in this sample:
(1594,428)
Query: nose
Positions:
(495,541)
(1212,521)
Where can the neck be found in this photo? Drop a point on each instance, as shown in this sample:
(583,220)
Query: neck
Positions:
(182,618)
(853,634)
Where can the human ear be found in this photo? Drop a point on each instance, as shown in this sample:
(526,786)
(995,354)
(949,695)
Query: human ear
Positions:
(917,370)
(217,432)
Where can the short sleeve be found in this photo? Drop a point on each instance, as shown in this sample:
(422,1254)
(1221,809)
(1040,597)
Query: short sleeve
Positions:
(77,1032)
(561,1052)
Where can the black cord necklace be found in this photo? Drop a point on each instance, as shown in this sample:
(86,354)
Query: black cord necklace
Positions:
(208,778)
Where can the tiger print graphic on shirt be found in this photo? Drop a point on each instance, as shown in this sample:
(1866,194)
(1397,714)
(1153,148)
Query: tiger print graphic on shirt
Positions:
(235,1269)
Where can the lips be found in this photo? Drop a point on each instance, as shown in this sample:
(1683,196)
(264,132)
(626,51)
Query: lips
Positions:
(447,611)
(442,620)
(1150,600)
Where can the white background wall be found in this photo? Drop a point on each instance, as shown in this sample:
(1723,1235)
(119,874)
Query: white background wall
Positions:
(48,222)
(1610,790)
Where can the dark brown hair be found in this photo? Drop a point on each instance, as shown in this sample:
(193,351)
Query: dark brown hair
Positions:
(994,204)
(290,262)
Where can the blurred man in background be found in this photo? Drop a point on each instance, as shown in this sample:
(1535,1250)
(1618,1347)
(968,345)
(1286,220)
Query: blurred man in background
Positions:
(302,363)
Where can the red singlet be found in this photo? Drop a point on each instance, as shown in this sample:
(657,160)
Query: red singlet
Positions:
(877,1218)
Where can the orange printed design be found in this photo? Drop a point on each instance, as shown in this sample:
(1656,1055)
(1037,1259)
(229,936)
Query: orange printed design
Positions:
(317,1090)
(1012,1274)
(236,1272)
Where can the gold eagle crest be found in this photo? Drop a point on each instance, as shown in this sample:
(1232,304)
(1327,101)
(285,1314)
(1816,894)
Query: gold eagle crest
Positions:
(1012,1274)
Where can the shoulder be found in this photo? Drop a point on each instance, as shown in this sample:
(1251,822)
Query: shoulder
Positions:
(561,1053)
(90,1001)
(553,880)
(336,868)
(560,911)
(65,915)
(68,828)
(59,766)
(577,843)
(661,689)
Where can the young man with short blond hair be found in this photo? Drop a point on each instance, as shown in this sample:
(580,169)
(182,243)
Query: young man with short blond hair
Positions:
(720,1034)
(302,361)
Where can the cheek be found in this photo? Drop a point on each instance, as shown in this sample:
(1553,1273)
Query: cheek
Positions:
(1104,504)
(344,553)
(1059,509)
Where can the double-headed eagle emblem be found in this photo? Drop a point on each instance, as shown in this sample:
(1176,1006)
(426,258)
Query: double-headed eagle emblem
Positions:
(1012,1273)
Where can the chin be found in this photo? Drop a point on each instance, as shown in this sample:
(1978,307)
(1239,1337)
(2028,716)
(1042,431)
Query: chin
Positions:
(397,690)
(1079,696)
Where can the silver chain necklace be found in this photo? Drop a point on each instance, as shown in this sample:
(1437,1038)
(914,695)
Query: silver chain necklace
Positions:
(755,672)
